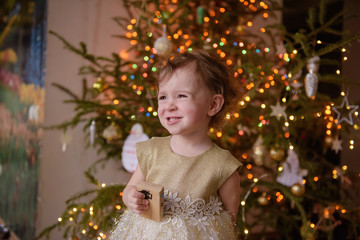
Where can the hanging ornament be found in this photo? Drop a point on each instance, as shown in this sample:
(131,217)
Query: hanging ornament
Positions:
(207,44)
(163,44)
(263,199)
(111,132)
(328,141)
(278,111)
(240,27)
(92,132)
(291,173)
(128,155)
(34,111)
(65,139)
(277,153)
(258,150)
(200,14)
(296,85)
(311,78)
(298,189)
(349,109)
(336,144)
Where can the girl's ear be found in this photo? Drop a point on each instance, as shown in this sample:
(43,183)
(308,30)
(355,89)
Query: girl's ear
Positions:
(216,103)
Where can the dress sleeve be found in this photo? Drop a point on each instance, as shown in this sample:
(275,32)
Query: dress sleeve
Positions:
(228,166)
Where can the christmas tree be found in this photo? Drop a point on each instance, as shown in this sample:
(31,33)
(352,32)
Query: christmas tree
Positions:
(285,132)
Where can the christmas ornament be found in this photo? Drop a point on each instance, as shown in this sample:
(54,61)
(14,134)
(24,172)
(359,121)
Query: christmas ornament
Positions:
(296,85)
(328,141)
(240,27)
(34,113)
(277,153)
(292,173)
(92,132)
(200,14)
(336,144)
(311,79)
(163,44)
(350,109)
(207,45)
(263,200)
(111,132)
(128,155)
(278,111)
(65,139)
(298,189)
(258,150)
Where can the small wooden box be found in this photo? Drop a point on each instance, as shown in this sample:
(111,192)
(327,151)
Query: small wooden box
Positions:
(155,194)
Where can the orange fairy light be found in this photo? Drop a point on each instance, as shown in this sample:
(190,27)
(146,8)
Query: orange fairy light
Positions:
(128,35)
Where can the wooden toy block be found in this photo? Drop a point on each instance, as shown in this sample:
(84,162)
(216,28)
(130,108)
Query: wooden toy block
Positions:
(155,194)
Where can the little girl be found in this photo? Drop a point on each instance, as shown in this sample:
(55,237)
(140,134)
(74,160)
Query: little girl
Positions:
(201,180)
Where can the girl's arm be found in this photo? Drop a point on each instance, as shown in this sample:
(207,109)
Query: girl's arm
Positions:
(133,199)
(230,194)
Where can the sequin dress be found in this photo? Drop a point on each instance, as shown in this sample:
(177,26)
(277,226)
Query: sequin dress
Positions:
(193,209)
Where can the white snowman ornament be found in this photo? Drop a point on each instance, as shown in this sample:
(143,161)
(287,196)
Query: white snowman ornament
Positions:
(129,159)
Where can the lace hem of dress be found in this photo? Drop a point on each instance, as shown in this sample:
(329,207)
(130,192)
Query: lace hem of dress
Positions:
(197,212)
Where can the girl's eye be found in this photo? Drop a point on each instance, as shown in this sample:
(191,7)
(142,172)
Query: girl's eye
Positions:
(162,97)
(182,96)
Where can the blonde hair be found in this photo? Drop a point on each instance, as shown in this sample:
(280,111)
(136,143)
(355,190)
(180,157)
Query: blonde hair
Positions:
(211,72)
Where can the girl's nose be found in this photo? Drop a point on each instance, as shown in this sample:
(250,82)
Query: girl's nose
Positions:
(171,105)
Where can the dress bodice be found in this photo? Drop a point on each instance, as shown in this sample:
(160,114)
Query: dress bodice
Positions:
(198,177)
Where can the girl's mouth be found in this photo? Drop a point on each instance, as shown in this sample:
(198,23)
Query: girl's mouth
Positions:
(173,119)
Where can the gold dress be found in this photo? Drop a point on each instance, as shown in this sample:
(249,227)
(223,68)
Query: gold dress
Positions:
(193,208)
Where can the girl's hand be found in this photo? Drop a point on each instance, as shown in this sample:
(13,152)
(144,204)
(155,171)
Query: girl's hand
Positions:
(135,200)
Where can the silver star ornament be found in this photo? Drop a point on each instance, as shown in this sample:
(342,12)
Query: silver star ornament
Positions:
(350,108)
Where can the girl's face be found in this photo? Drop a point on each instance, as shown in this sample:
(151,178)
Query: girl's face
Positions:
(184,103)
